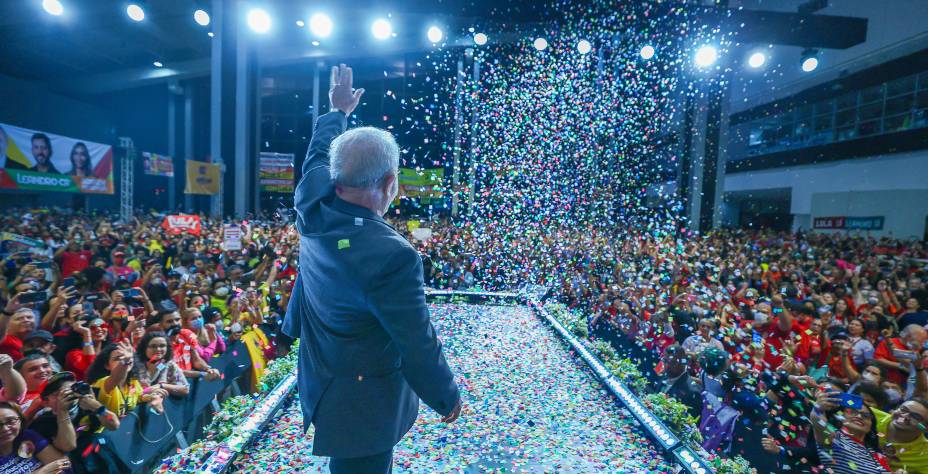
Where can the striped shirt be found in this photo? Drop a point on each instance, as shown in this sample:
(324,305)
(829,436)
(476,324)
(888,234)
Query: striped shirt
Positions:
(848,456)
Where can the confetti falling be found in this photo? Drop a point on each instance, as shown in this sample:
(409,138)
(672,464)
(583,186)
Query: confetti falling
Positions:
(529,406)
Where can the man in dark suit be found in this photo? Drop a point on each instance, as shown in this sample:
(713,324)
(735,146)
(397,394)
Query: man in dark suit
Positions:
(368,351)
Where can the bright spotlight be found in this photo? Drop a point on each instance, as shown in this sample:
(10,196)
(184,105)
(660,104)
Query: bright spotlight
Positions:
(647,52)
(158,64)
(300,23)
(540,44)
(381,29)
(706,55)
(584,47)
(135,12)
(810,64)
(435,34)
(809,60)
(53,7)
(321,25)
(757,60)
(201,17)
(259,21)
(480,39)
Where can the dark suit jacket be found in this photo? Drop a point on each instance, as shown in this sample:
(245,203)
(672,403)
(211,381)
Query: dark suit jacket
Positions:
(367,347)
(687,391)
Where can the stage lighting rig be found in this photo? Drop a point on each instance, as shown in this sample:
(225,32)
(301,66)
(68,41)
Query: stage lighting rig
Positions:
(757,60)
(321,25)
(435,34)
(259,20)
(53,7)
(540,44)
(809,60)
(647,52)
(381,29)
(706,55)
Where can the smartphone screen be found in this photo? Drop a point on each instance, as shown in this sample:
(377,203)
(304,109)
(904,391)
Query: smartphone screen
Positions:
(904,355)
(851,401)
(69,281)
(32,297)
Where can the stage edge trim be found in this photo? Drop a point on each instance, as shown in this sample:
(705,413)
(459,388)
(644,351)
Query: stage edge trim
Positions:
(243,434)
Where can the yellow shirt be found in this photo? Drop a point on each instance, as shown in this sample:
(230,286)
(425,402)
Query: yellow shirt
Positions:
(911,456)
(122,399)
(255,341)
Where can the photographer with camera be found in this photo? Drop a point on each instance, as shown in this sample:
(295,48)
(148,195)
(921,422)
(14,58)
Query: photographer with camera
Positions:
(70,416)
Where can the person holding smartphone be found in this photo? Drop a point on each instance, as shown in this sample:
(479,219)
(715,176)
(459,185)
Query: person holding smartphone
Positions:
(890,352)
(854,446)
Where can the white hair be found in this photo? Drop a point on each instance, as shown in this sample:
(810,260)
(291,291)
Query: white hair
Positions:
(362,157)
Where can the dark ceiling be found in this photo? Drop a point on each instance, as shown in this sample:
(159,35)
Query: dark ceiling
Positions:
(95,38)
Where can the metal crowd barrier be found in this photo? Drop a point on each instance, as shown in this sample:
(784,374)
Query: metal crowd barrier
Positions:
(143,437)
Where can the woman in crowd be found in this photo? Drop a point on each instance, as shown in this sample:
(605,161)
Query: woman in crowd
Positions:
(117,388)
(93,338)
(155,367)
(209,341)
(23,450)
(852,446)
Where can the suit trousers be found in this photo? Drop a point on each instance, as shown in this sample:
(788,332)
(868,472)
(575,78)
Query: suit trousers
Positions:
(375,464)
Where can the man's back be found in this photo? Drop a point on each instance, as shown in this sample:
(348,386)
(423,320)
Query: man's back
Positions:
(367,347)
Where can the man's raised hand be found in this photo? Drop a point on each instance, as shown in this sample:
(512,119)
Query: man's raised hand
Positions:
(341,95)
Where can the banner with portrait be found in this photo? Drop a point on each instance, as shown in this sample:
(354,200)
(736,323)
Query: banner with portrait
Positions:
(275,172)
(31,160)
(154,164)
(202,178)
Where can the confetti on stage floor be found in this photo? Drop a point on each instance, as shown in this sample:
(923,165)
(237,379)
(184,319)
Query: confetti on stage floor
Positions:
(530,406)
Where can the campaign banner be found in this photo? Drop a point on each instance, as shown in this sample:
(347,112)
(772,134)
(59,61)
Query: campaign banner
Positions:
(828,222)
(865,223)
(202,178)
(275,172)
(31,160)
(154,164)
(13,243)
(849,223)
(425,184)
(182,223)
(231,237)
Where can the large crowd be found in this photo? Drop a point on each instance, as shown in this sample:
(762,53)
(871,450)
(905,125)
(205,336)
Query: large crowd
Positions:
(101,317)
(805,348)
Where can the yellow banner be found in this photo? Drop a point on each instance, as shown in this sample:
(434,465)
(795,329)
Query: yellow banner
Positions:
(202,178)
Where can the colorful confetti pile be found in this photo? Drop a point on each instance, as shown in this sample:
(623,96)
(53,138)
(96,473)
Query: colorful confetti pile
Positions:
(529,406)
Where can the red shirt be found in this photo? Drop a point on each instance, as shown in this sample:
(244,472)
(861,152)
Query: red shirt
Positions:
(12,346)
(882,352)
(78,362)
(72,262)
(811,351)
(185,344)
(775,337)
